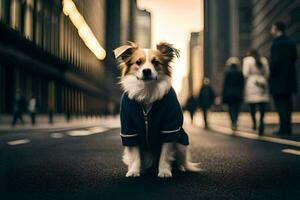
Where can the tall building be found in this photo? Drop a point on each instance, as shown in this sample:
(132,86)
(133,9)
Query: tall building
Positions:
(195,63)
(43,55)
(245,26)
(143,28)
(227,32)
(193,80)
(217,43)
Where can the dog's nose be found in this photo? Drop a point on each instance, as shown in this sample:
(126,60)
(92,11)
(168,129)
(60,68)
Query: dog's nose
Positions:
(146,72)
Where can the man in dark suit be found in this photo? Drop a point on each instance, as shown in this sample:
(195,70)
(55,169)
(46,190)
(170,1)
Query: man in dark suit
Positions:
(282,79)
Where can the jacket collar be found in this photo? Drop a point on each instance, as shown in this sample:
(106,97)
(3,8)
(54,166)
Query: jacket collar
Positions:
(283,36)
(155,104)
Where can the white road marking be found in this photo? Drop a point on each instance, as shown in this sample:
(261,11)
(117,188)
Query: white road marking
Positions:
(253,136)
(291,151)
(89,131)
(18,142)
(57,135)
(97,129)
(79,133)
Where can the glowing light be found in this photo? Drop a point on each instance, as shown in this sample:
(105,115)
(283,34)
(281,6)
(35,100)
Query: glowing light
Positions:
(68,6)
(84,31)
(77,19)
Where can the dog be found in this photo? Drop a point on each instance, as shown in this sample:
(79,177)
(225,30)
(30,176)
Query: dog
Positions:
(151,116)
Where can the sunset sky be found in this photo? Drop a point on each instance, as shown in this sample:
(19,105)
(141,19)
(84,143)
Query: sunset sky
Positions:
(173,21)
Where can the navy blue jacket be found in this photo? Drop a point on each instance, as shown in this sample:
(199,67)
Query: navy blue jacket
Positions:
(283,74)
(163,123)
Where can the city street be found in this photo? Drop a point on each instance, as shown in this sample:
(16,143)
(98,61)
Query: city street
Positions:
(72,70)
(85,163)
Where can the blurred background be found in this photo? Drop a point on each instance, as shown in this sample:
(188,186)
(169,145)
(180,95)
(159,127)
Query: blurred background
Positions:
(61,51)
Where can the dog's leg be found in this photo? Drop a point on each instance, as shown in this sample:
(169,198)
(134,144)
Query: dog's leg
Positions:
(132,159)
(165,160)
(183,159)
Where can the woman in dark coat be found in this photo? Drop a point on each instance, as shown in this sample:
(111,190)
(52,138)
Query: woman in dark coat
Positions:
(233,89)
(206,99)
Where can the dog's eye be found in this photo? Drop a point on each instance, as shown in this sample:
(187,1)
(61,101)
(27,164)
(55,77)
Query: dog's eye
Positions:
(138,62)
(155,62)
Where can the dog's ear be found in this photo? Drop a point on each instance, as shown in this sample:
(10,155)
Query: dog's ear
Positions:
(123,53)
(168,51)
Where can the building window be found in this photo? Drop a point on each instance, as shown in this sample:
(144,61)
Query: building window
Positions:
(55,30)
(28,19)
(47,27)
(38,23)
(4,11)
(15,14)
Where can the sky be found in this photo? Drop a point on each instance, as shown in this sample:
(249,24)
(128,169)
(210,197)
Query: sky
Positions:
(173,21)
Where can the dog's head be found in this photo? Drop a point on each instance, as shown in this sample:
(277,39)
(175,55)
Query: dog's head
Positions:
(145,70)
(146,64)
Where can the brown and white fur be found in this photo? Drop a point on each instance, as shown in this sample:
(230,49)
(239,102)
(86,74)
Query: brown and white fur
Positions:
(146,77)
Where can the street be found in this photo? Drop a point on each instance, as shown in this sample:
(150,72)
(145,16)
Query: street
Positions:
(71,69)
(85,163)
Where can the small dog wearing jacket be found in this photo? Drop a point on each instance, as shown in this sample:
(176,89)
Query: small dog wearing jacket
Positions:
(151,116)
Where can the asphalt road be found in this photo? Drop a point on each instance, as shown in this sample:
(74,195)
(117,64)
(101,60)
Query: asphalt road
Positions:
(64,165)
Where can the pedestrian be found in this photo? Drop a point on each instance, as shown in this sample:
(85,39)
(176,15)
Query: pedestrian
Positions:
(233,88)
(206,99)
(68,115)
(191,107)
(282,80)
(256,73)
(50,115)
(32,109)
(19,107)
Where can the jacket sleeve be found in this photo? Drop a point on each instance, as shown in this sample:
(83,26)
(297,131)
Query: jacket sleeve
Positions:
(128,133)
(246,67)
(172,126)
(266,67)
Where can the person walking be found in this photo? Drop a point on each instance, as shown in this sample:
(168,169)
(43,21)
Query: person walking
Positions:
(206,99)
(233,88)
(19,107)
(191,106)
(32,109)
(256,73)
(283,80)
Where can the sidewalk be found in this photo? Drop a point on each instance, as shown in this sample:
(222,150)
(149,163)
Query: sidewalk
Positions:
(59,123)
(221,119)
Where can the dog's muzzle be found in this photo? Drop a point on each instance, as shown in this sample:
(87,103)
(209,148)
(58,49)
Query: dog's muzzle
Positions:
(147,75)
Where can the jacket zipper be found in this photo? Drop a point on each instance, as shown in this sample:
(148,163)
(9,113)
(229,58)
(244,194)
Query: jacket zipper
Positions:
(146,126)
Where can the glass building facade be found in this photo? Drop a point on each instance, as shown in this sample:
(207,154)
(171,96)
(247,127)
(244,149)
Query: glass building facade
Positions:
(43,55)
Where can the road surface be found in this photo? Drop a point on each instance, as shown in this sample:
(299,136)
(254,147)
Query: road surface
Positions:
(85,163)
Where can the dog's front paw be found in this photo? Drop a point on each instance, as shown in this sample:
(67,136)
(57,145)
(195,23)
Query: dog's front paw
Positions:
(133,174)
(165,173)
